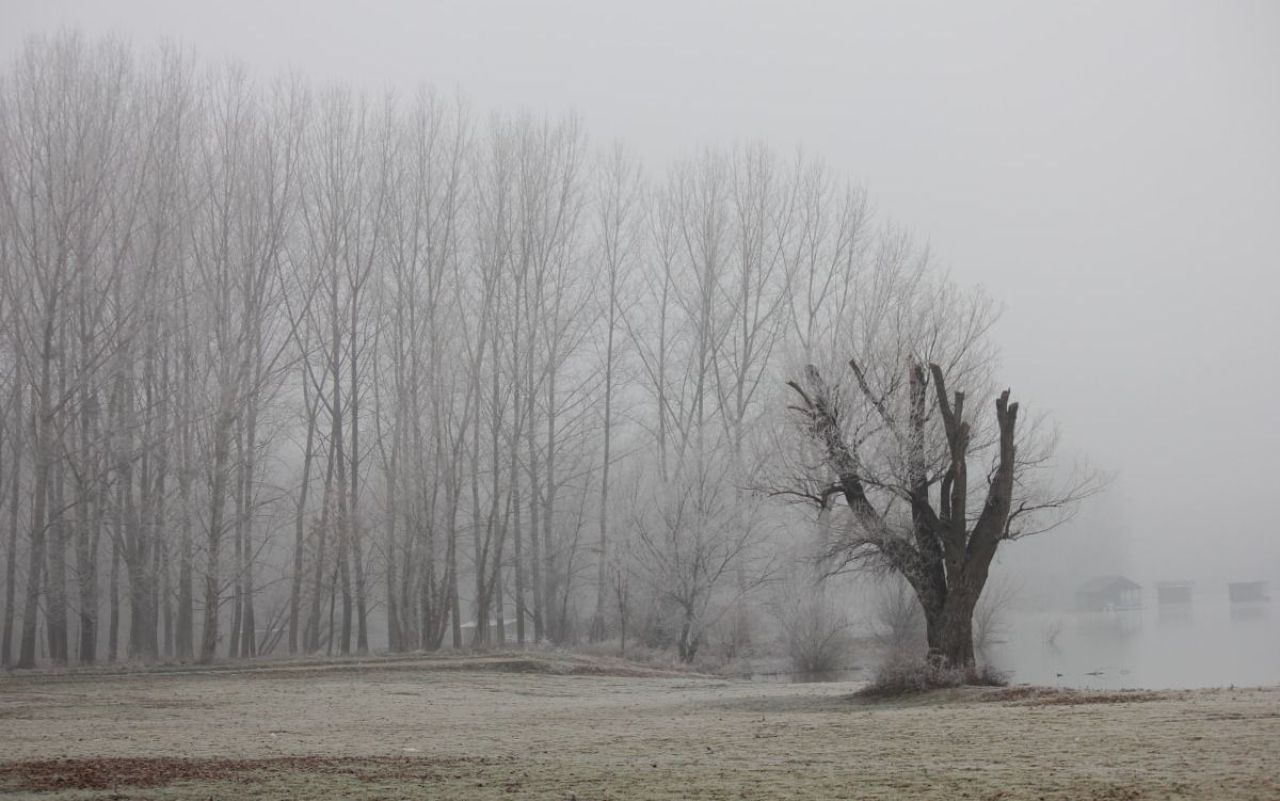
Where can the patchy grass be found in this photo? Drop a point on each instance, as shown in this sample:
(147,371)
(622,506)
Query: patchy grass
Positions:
(142,772)
(506,730)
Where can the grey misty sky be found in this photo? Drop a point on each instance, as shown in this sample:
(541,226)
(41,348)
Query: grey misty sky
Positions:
(1109,171)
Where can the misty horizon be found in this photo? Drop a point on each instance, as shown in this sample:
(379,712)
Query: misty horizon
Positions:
(1109,174)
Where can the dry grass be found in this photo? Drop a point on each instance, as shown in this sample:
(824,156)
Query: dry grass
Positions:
(399,732)
(899,677)
(1058,696)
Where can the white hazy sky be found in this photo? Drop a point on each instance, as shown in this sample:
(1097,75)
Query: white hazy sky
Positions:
(1110,171)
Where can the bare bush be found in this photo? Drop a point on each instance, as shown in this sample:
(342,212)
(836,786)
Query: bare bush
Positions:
(815,633)
(990,616)
(895,677)
(898,618)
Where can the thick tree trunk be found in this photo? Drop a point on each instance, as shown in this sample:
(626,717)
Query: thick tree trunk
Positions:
(689,640)
(954,648)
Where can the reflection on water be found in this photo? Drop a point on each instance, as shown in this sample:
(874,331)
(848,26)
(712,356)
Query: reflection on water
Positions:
(1249,612)
(1176,615)
(1210,643)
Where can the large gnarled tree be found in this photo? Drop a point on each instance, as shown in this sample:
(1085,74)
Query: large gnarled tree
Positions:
(925,528)
(929,488)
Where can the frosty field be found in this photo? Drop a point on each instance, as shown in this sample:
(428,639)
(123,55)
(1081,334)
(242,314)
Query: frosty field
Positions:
(570,728)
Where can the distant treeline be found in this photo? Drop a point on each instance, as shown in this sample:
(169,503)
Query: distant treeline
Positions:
(286,368)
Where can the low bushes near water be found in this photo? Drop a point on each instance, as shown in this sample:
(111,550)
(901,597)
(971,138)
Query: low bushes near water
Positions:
(897,676)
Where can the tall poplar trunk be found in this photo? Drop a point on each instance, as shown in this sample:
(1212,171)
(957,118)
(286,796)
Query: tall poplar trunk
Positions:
(56,590)
(518,540)
(11,560)
(354,527)
(88,517)
(535,549)
(217,501)
(598,628)
(40,500)
(248,621)
(343,521)
(237,529)
(113,603)
(56,577)
(312,636)
(300,519)
(87,538)
(184,627)
(554,623)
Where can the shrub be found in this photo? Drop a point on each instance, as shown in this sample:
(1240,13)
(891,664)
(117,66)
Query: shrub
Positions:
(814,632)
(898,619)
(896,677)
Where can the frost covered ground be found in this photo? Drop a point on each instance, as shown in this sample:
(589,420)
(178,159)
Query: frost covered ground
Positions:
(572,728)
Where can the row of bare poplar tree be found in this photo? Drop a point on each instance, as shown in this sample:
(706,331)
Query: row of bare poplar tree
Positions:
(308,370)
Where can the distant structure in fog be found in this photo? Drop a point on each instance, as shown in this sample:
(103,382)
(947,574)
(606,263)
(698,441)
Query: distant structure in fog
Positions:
(1248,592)
(1108,594)
(1173,592)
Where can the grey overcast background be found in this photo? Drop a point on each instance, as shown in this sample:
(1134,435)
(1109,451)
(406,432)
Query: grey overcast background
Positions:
(1109,171)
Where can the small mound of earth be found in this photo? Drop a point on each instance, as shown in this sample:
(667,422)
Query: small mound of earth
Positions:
(1058,696)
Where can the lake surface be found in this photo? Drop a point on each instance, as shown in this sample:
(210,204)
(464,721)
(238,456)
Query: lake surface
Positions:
(1209,643)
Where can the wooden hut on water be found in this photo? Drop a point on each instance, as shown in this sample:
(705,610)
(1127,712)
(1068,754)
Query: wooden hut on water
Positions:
(1170,593)
(1109,594)
(1248,592)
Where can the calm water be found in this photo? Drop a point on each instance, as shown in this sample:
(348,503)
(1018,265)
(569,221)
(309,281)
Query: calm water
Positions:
(1209,643)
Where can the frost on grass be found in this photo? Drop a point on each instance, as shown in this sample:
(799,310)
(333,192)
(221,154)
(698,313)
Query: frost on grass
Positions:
(485,735)
(897,677)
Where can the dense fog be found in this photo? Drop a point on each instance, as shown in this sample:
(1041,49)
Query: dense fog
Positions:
(474,326)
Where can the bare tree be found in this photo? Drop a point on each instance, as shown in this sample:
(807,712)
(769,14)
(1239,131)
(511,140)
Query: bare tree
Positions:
(688,539)
(618,218)
(898,448)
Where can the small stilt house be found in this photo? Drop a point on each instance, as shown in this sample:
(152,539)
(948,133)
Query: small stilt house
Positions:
(1108,594)
(1172,593)
(1248,592)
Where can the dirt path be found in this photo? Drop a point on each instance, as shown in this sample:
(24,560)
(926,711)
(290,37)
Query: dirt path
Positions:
(416,732)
